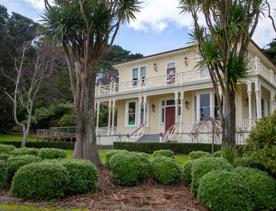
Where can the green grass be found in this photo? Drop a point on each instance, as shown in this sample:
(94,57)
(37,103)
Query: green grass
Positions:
(14,207)
(180,158)
(4,137)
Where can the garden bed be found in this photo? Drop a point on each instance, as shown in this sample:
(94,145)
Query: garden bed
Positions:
(145,196)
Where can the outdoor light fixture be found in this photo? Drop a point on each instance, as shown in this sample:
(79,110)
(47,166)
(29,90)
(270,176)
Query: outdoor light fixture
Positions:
(187,104)
(155,67)
(186,61)
(153,107)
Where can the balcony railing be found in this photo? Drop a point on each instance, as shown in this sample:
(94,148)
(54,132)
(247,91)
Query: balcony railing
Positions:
(182,78)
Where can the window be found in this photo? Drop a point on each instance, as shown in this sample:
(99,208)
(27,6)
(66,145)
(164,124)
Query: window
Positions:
(204,106)
(134,76)
(143,72)
(171,73)
(131,113)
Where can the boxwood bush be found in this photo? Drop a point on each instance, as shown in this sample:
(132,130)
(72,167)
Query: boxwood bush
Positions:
(204,165)
(188,171)
(83,174)
(4,148)
(224,190)
(109,155)
(4,156)
(25,151)
(163,152)
(245,162)
(3,174)
(261,187)
(217,154)
(16,162)
(199,154)
(166,170)
(128,168)
(40,181)
(51,153)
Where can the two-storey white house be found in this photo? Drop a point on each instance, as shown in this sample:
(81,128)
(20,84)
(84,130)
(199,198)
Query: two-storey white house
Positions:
(167,94)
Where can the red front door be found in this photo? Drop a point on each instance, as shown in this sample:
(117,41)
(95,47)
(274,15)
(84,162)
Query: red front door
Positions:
(170,117)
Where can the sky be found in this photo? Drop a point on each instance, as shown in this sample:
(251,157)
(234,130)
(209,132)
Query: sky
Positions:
(158,27)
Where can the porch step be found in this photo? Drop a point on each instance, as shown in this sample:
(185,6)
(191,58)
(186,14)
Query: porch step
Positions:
(149,138)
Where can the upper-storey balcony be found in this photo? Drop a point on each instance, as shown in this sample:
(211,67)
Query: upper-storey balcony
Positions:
(178,79)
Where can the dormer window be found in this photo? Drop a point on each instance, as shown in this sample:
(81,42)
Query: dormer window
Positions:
(171,73)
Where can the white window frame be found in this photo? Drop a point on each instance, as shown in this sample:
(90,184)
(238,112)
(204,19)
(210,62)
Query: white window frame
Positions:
(126,112)
(196,116)
(175,69)
(139,74)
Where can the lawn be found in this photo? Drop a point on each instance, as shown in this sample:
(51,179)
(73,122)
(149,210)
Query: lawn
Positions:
(180,158)
(4,137)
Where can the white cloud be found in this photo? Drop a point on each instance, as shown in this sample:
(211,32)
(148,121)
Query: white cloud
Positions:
(38,4)
(157,15)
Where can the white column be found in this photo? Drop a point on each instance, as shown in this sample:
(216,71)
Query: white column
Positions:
(98,114)
(272,102)
(139,111)
(145,107)
(113,116)
(109,117)
(181,110)
(258,103)
(249,93)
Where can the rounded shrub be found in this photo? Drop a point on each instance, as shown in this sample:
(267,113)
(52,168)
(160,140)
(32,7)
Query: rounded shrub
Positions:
(6,148)
(110,154)
(205,165)
(143,154)
(25,151)
(40,181)
(166,170)
(83,175)
(261,187)
(217,154)
(245,162)
(224,190)
(163,152)
(3,174)
(128,168)
(51,153)
(188,171)
(16,162)
(199,154)
(4,156)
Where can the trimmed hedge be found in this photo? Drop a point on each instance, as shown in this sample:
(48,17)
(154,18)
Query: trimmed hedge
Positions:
(261,187)
(166,170)
(4,156)
(51,153)
(128,168)
(204,165)
(177,148)
(3,174)
(224,190)
(25,151)
(16,162)
(6,148)
(83,174)
(163,152)
(109,155)
(40,181)
(188,171)
(199,154)
(245,162)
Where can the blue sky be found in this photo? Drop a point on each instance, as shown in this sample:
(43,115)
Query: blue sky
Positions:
(159,26)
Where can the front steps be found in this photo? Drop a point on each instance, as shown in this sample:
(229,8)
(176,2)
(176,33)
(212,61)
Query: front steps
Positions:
(149,138)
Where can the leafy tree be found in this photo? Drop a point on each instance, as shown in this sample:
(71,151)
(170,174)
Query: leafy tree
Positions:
(223,44)
(86,29)
(271,51)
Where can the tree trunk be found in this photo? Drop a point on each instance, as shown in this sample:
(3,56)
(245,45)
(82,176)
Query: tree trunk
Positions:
(86,140)
(229,118)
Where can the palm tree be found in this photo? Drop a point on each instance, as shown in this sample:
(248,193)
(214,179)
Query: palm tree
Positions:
(222,44)
(86,30)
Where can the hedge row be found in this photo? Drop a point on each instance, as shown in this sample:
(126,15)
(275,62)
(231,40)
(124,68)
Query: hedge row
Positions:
(60,145)
(181,148)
